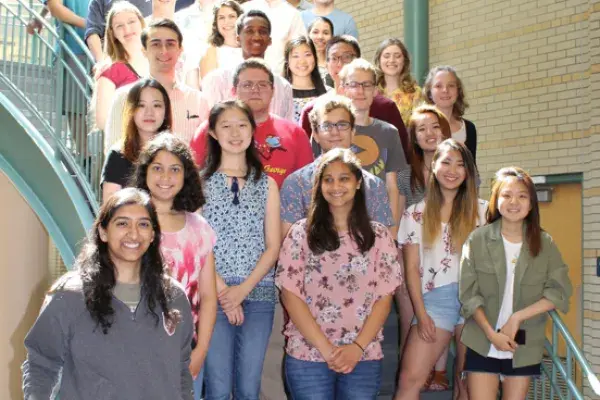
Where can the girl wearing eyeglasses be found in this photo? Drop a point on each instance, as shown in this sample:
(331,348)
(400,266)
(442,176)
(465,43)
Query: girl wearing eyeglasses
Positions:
(242,206)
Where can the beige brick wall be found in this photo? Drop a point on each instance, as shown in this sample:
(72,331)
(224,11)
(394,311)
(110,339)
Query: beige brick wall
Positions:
(532,75)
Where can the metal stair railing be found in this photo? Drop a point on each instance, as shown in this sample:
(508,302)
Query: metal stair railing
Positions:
(562,370)
(54,84)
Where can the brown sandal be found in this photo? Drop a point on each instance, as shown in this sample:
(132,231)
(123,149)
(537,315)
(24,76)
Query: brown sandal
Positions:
(439,383)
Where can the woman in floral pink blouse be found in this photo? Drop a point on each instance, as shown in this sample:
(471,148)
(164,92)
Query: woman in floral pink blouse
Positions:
(432,233)
(337,274)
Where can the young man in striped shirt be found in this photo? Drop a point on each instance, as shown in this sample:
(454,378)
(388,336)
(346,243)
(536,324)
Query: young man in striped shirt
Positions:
(162,41)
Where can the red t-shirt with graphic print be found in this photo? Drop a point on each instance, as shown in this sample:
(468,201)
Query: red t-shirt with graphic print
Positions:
(282,145)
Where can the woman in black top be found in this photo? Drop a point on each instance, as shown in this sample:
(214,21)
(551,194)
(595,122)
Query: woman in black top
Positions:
(301,70)
(445,90)
(147,112)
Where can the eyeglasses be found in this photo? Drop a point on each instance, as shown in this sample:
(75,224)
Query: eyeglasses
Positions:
(344,58)
(355,85)
(341,126)
(261,86)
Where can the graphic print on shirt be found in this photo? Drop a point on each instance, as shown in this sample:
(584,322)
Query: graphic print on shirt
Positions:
(272,143)
(372,158)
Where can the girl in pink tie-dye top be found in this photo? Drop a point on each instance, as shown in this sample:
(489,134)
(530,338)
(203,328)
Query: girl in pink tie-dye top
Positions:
(166,169)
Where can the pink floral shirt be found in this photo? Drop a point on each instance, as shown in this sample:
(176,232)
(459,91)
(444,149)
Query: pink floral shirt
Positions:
(439,263)
(185,253)
(339,287)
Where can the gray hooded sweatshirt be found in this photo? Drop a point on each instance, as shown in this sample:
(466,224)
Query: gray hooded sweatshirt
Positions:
(136,359)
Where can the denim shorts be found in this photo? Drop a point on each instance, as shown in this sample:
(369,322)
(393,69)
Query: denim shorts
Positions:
(475,362)
(443,307)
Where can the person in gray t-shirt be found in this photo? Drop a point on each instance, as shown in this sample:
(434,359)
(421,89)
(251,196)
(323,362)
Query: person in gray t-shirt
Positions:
(376,143)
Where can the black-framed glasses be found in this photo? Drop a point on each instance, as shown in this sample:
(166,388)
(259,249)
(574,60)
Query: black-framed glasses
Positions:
(344,58)
(261,86)
(341,126)
(355,85)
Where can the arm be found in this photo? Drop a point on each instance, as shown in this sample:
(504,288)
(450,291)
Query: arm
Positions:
(209,61)
(207,314)
(394,197)
(108,189)
(305,323)
(94,29)
(285,227)
(401,206)
(233,296)
(45,345)
(64,14)
(105,92)
(35,25)
(425,325)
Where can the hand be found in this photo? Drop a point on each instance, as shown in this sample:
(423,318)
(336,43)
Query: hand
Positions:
(511,326)
(235,316)
(232,296)
(426,328)
(344,358)
(502,342)
(34,25)
(196,361)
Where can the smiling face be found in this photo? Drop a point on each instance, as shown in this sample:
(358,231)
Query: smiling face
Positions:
(444,89)
(128,235)
(429,131)
(334,137)
(150,113)
(359,86)
(514,202)
(391,61)
(301,61)
(165,176)
(162,50)
(449,170)
(320,34)
(233,131)
(126,27)
(255,89)
(339,185)
(226,17)
(254,37)
(339,55)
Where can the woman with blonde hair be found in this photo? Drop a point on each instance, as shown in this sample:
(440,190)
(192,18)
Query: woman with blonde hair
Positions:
(124,61)
(394,80)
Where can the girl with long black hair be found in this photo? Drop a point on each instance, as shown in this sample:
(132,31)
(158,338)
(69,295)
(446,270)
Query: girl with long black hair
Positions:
(337,274)
(118,325)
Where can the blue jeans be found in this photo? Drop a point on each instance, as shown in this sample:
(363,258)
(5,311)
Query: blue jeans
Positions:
(307,380)
(236,354)
(198,385)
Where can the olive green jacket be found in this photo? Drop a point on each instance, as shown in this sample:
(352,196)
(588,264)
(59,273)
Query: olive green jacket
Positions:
(482,280)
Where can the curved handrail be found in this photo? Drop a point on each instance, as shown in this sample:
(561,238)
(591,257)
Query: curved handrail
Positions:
(66,90)
(592,379)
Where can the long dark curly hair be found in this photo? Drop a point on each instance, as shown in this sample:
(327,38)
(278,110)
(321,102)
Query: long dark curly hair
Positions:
(98,272)
(190,198)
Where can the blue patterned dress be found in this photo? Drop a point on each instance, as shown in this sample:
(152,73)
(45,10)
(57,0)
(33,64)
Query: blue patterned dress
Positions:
(240,231)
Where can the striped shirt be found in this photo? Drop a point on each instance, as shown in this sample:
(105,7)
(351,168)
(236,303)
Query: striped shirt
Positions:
(189,108)
(218,85)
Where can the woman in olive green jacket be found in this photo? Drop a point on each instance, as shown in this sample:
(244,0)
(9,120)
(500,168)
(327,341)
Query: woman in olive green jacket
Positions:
(511,275)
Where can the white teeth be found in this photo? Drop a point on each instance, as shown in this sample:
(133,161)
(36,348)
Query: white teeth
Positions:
(164,187)
(131,245)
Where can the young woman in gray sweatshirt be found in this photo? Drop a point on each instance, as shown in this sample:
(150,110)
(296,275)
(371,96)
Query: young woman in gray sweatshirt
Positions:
(117,327)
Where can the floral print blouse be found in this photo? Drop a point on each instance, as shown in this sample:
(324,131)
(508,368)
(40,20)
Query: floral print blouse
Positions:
(439,263)
(404,101)
(185,253)
(339,287)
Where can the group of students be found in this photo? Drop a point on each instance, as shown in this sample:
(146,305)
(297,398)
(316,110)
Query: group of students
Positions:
(218,196)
